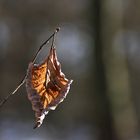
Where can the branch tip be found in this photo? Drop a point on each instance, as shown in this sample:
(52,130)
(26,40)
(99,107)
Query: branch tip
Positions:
(57,29)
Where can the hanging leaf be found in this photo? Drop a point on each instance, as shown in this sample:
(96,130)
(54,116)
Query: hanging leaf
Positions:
(46,86)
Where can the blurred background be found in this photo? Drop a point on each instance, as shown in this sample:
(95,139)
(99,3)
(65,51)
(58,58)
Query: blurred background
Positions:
(99,48)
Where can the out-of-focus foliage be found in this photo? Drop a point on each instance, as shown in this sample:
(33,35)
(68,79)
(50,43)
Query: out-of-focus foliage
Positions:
(98,46)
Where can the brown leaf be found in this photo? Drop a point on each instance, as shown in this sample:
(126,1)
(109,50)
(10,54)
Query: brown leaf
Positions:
(46,86)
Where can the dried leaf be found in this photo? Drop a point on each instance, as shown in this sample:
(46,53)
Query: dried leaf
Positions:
(46,86)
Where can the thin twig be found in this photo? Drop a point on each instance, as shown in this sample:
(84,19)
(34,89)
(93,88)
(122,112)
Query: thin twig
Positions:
(33,60)
(9,95)
(46,42)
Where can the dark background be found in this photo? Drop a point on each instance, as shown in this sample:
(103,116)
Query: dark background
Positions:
(98,47)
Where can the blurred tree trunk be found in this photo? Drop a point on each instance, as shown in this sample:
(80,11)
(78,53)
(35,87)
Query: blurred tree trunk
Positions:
(117,76)
(103,108)
(115,116)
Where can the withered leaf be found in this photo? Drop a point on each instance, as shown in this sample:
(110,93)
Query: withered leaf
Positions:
(46,86)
